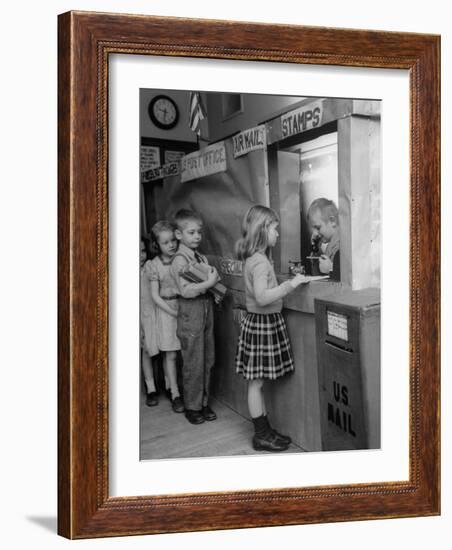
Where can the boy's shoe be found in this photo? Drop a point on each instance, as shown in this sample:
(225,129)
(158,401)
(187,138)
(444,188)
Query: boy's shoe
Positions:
(269,442)
(194,417)
(178,405)
(208,414)
(152,399)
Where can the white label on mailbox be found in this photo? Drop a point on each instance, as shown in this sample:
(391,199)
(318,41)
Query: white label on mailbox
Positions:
(337,325)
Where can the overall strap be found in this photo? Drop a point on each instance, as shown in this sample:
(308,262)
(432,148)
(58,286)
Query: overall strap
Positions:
(182,255)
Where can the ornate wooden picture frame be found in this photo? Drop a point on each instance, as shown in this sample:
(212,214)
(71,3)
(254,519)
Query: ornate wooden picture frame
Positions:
(86,40)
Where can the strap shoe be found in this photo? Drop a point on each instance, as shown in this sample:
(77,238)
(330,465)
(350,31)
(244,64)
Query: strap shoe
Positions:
(152,399)
(178,405)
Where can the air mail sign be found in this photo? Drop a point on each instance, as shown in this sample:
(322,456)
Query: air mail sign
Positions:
(252,139)
(300,120)
(207,161)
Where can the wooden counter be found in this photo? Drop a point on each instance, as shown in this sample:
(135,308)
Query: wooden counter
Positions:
(301,299)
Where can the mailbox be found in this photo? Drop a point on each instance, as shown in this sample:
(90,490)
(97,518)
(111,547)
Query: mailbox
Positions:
(348,354)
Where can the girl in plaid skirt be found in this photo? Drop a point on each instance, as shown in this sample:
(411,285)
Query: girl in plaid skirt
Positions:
(263,350)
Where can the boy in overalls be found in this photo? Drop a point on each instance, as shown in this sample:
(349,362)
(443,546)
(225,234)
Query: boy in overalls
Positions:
(194,319)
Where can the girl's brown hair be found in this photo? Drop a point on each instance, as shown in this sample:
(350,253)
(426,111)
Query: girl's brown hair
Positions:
(157,228)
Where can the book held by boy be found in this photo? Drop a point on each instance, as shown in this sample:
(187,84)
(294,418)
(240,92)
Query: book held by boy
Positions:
(197,273)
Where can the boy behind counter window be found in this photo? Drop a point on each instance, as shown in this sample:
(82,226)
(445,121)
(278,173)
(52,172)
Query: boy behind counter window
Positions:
(323,217)
(194,319)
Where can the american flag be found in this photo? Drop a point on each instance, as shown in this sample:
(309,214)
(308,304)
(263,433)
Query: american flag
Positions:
(197,112)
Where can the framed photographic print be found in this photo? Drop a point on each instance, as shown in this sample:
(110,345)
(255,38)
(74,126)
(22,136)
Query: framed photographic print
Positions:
(248,275)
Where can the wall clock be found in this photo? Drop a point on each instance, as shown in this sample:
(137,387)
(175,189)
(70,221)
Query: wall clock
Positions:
(164,112)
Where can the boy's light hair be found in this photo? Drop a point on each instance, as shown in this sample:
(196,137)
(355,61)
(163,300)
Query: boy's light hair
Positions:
(185,215)
(328,210)
(255,228)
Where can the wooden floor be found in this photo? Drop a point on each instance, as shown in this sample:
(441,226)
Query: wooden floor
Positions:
(165,434)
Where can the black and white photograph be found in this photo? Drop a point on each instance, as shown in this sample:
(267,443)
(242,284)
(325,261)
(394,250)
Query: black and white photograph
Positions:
(225,226)
(260,252)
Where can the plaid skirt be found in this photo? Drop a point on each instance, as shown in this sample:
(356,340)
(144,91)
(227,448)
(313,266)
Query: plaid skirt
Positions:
(263,349)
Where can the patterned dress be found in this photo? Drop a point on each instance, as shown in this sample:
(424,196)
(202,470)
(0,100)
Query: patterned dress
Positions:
(147,314)
(166,324)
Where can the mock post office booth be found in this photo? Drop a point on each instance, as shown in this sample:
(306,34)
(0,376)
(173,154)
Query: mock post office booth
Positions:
(282,152)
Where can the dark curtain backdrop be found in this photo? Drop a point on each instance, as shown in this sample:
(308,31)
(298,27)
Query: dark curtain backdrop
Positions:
(221,199)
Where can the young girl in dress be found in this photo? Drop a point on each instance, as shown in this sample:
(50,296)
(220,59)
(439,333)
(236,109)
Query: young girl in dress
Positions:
(149,346)
(164,294)
(263,350)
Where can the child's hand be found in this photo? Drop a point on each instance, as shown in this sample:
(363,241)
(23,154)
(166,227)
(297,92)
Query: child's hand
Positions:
(173,311)
(298,280)
(325,264)
(217,299)
(213,277)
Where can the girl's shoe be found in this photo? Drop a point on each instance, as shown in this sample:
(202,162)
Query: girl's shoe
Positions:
(178,405)
(285,438)
(269,442)
(152,399)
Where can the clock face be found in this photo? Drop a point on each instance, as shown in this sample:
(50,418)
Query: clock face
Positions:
(163,112)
